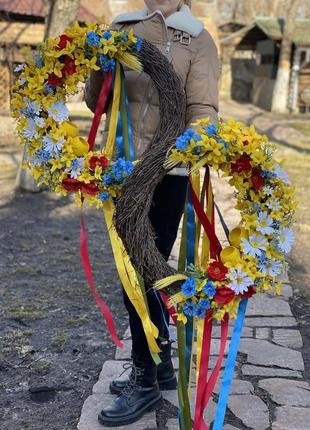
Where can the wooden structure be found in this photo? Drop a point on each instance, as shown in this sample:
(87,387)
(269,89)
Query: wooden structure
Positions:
(258,46)
(21,29)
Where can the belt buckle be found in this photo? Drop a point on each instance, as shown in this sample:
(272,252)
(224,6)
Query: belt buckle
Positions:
(177,35)
(185,39)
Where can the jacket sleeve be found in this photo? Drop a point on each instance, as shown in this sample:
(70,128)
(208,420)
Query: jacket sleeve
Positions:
(202,82)
(92,89)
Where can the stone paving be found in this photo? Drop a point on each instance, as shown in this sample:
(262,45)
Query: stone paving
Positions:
(269,389)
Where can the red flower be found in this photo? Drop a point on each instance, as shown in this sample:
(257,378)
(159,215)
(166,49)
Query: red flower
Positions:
(223,295)
(91,188)
(69,66)
(243,164)
(98,161)
(251,291)
(217,270)
(71,184)
(256,179)
(54,80)
(64,39)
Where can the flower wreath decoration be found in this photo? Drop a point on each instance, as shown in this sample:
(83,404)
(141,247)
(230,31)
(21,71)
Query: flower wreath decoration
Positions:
(212,283)
(255,258)
(57,155)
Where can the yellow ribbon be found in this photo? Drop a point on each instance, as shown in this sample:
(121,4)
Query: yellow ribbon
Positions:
(205,249)
(129,278)
(114,112)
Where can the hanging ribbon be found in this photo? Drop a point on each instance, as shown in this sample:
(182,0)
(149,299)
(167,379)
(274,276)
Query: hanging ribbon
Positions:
(204,365)
(100,108)
(215,246)
(184,405)
(230,366)
(129,278)
(114,112)
(208,195)
(89,276)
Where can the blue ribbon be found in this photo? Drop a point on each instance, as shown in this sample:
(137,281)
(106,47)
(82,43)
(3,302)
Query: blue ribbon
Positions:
(190,230)
(129,120)
(119,130)
(230,366)
(119,137)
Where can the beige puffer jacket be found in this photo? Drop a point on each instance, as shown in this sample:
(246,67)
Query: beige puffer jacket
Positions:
(193,54)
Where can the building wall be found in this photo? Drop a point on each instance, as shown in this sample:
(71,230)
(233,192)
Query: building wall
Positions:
(262,92)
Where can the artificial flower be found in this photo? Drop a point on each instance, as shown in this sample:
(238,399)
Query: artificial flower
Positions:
(217,271)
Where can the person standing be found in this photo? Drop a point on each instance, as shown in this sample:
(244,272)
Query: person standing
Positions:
(171,27)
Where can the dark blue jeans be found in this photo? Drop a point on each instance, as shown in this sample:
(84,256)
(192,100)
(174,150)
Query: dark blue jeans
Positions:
(165,215)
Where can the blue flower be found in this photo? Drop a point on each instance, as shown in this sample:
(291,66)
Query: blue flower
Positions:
(49,90)
(224,143)
(188,287)
(92,38)
(199,312)
(105,63)
(189,308)
(139,44)
(268,174)
(107,180)
(211,129)
(104,196)
(107,35)
(196,137)
(38,60)
(76,167)
(41,156)
(124,37)
(181,143)
(276,224)
(209,288)
(204,304)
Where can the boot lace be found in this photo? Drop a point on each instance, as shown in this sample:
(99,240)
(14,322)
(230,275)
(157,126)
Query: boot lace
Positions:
(133,379)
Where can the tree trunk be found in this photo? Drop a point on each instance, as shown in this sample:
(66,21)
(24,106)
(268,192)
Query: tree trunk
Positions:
(61,14)
(281,88)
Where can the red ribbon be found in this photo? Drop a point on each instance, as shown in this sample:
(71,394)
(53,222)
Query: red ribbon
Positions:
(215,246)
(172,311)
(89,276)
(205,390)
(203,371)
(100,108)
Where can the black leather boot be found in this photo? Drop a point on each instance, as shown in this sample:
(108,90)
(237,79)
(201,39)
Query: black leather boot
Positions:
(165,373)
(140,395)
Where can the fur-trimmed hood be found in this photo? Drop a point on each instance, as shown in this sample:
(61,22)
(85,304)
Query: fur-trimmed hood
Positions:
(182,20)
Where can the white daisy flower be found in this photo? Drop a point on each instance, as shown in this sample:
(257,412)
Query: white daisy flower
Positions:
(267,190)
(30,131)
(52,146)
(274,204)
(265,223)
(254,245)
(58,111)
(285,239)
(239,281)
